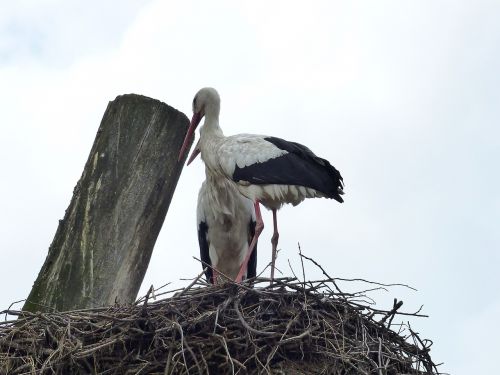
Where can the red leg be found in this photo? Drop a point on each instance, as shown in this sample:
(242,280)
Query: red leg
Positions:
(215,276)
(259,226)
(274,242)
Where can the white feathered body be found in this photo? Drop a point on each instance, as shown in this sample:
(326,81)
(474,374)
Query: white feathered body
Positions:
(229,219)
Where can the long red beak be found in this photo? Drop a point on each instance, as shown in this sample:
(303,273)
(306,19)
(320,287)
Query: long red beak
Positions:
(194,154)
(190,134)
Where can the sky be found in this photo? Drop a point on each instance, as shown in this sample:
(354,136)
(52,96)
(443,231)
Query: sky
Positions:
(403,97)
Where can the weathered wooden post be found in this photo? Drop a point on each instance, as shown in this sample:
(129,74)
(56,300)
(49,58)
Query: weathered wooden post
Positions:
(102,247)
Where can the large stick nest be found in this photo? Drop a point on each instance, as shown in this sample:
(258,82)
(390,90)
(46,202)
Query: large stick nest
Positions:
(288,327)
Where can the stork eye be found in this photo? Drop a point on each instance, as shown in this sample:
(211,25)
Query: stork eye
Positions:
(194,102)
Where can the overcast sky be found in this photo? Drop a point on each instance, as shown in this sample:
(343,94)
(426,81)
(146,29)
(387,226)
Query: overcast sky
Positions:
(401,96)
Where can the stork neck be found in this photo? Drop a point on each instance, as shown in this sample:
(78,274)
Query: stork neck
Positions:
(211,128)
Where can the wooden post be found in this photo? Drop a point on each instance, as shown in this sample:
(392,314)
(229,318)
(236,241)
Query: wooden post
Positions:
(102,247)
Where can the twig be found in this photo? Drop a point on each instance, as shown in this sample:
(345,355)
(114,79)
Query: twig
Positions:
(324,272)
(247,326)
(391,313)
(182,292)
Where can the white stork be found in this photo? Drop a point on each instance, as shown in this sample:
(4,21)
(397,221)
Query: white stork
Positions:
(226,227)
(267,170)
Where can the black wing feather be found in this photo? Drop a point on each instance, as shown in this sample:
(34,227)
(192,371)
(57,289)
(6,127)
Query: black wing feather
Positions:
(252,262)
(300,166)
(204,250)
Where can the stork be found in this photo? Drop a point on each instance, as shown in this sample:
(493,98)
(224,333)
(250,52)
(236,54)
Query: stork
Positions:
(226,227)
(265,169)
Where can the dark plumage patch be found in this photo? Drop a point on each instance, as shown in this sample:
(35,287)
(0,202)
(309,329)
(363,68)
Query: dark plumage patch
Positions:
(204,250)
(300,166)
(252,262)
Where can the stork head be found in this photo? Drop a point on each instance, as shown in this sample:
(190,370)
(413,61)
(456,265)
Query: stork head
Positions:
(206,103)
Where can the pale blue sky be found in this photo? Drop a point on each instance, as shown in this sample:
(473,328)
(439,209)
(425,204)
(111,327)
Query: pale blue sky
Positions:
(401,96)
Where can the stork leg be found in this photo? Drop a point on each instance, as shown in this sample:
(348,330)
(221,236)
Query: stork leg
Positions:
(259,226)
(215,276)
(274,242)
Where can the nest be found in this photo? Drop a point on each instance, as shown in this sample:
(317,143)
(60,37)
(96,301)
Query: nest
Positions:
(289,327)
